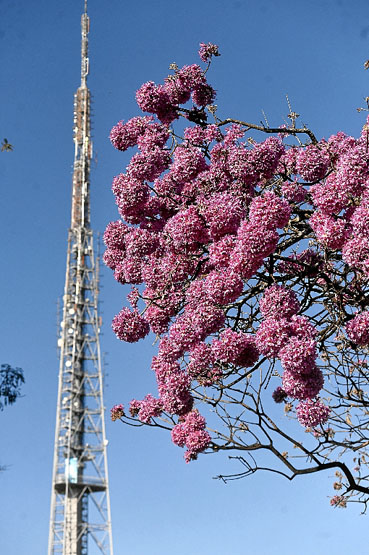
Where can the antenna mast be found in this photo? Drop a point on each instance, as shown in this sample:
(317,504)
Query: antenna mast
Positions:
(80,521)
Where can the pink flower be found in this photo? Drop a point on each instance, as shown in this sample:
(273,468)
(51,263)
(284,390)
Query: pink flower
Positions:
(129,270)
(329,231)
(158,319)
(186,229)
(190,432)
(223,287)
(360,220)
(220,251)
(265,157)
(194,421)
(313,162)
(340,143)
(179,435)
(117,412)
(299,355)
(223,213)
(269,211)
(140,242)
(233,133)
(188,162)
(358,329)
(356,253)
(113,257)
(151,97)
(293,191)
(133,297)
(279,302)
(287,162)
(134,407)
(149,408)
(203,95)
(272,335)
(125,135)
(197,441)
(148,165)
(174,393)
(207,51)
(155,135)
(303,386)
(330,197)
(254,244)
(201,365)
(114,235)
(235,347)
(131,197)
(195,135)
(312,413)
(302,328)
(130,326)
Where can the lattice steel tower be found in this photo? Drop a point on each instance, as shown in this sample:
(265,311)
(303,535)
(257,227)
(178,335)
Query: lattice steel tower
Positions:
(80,507)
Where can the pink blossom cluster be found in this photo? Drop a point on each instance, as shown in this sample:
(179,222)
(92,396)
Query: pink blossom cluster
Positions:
(223,213)
(358,328)
(257,236)
(301,387)
(114,235)
(311,413)
(235,347)
(116,412)
(186,230)
(205,218)
(293,191)
(278,304)
(207,51)
(222,287)
(124,135)
(291,338)
(164,100)
(146,409)
(312,162)
(278,301)
(130,326)
(200,136)
(356,250)
(202,365)
(330,231)
(255,165)
(173,385)
(190,432)
(340,200)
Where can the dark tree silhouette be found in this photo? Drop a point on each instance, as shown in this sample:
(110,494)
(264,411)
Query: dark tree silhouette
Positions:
(11,380)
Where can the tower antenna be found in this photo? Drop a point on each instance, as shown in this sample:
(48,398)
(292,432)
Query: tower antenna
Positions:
(80,503)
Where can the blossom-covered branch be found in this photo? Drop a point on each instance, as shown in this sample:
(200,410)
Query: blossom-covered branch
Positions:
(250,263)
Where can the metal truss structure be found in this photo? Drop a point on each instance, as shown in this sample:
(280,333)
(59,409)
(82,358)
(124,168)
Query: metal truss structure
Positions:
(80,520)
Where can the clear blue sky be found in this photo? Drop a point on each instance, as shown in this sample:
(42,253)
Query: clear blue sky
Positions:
(314,51)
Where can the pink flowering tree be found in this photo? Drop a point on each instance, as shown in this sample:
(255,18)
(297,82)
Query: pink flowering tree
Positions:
(249,260)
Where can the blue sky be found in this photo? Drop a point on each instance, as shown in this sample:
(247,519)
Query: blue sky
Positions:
(313,51)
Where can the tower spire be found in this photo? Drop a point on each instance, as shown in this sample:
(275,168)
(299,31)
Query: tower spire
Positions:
(80,505)
(82,137)
(85,27)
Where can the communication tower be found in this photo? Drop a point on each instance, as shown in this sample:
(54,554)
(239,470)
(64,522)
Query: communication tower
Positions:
(80,520)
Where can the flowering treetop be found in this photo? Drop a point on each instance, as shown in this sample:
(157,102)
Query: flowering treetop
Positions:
(250,262)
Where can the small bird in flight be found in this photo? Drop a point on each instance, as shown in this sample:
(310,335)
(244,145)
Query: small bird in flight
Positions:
(5,146)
